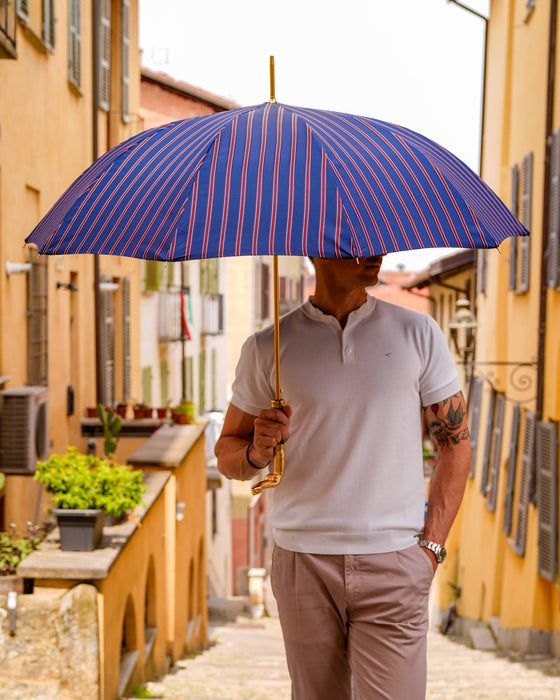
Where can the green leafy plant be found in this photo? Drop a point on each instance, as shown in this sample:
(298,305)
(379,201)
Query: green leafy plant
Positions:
(111,424)
(2,480)
(184,412)
(15,547)
(85,482)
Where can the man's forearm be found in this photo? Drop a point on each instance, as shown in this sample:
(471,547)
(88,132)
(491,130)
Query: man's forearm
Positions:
(446,491)
(232,458)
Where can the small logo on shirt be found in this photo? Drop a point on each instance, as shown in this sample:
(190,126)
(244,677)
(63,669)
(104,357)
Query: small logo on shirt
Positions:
(387,354)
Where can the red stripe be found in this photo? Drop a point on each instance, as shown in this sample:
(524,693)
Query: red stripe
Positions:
(244,183)
(274,202)
(306,194)
(210,200)
(194,199)
(225,209)
(323,204)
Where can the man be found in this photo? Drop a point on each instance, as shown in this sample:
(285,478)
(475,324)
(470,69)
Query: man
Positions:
(349,576)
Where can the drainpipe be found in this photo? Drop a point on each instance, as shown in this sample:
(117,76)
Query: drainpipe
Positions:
(95,144)
(546,197)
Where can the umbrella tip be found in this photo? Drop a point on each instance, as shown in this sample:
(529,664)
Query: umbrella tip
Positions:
(272,81)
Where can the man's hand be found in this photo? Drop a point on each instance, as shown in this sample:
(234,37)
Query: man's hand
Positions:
(272,426)
(432,557)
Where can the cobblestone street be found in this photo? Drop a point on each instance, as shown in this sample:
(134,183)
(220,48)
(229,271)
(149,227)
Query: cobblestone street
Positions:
(246,662)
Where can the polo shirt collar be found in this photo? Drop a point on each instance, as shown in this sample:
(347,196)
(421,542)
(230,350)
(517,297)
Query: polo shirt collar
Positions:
(354,316)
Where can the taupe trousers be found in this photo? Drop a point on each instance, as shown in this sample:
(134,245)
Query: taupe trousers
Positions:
(360,615)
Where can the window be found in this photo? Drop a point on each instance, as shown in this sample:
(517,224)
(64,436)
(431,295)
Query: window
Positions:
(127,343)
(37,308)
(496,453)
(525,484)
(512,468)
(125,60)
(105,55)
(7,29)
(74,43)
(547,437)
(554,211)
(107,397)
(48,26)
(514,240)
(474,418)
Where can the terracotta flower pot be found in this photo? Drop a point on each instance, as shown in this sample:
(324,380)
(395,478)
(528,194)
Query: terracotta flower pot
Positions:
(91,412)
(162,413)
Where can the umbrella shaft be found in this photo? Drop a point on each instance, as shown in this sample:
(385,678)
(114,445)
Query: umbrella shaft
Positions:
(278,390)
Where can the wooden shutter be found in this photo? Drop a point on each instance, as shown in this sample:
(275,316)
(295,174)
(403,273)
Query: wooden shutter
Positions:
(48,28)
(474,418)
(164,382)
(152,270)
(496,454)
(525,484)
(547,438)
(147,386)
(488,446)
(125,61)
(74,42)
(512,468)
(202,382)
(482,268)
(214,360)
(554,210)
(107,347)
(37,317)
(23,8)
(525,242)
(265,291)
(127,342)
(105,55)
(513,241)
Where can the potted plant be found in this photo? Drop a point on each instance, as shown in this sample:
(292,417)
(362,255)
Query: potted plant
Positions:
(14,548)
(84,488)
(111,424)
(183,413)
(142,411)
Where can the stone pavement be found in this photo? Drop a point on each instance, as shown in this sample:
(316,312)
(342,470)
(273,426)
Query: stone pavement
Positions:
(246,661)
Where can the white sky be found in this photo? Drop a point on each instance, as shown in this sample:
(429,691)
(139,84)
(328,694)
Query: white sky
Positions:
(413,62)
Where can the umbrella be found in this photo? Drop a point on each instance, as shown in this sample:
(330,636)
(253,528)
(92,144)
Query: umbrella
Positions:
(274,179)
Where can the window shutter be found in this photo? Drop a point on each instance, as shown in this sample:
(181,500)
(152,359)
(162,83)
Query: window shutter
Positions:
(23,8)
(512,468)
(147,386)
(488,446)
(202,382)
(37,317)
(523,504)
(554,210)
(474,416)
(125,60)
(513,241)
(48,28)
(107,347)
(496,454)
(214,359)
(127,344)
(152,270)
(105,55)
(482,267)
(524,243)
(164,382)
(74,42)
(265,292)
(547,437)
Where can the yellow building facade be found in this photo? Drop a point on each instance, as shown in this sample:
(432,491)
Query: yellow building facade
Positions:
(56,114)
(506,564)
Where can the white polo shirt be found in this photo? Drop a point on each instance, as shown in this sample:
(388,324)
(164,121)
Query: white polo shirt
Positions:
(353,482)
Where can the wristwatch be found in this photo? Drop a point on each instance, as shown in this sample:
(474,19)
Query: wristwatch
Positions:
(438,549)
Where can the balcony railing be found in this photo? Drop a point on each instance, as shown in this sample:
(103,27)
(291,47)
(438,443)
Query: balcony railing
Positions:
(169,316)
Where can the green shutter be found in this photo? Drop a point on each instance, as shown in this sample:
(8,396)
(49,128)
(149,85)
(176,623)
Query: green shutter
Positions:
(147,386)
(164,382)
(202,382)
(214,361)
(152,274)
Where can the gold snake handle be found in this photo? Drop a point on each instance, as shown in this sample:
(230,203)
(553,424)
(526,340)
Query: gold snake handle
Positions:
(275,477)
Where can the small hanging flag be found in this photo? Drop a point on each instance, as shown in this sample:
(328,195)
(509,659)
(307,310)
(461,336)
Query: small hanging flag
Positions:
(184,318)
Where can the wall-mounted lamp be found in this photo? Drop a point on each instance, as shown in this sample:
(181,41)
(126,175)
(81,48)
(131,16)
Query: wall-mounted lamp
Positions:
(70,286)
(462,327)
(16,268)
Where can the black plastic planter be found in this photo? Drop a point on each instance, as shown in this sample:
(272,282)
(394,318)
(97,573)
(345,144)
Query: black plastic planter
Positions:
(80,530)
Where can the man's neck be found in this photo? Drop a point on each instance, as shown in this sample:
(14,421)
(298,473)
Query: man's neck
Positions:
(338,303)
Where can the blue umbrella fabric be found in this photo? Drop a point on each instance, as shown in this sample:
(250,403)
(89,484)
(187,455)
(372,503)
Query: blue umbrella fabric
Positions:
(274,179)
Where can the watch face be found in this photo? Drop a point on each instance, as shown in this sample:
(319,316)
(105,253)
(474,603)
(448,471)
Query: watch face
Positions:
(441,554)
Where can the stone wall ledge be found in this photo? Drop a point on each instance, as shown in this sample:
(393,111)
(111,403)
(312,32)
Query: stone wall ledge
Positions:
(50,562)
(168,446)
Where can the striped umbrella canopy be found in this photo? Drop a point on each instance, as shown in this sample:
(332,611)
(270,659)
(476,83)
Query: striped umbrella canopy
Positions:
(274,179)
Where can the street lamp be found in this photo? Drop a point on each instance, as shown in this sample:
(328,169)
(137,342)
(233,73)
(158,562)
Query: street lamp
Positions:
(462,327)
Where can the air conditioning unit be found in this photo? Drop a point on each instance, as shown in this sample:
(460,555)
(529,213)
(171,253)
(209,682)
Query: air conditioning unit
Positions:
(24,428)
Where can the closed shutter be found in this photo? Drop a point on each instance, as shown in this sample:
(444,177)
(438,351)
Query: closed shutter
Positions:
(554,211)
(513,241)
(107,346)
(512,468)
(37,317)
(23,8)
(147,386)
(488,446)
(496,454)
(74,42)
(525,484)
(482,267)
(525,242)
(125,61)
(127,343)
(265,291)
(214,360)
(105,55)
(547,437)
(48,28)
(202,382)
(474,419)
(164,382)
(152,274)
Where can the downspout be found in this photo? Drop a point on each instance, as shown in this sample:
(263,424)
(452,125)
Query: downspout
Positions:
(546,198)
(95,144)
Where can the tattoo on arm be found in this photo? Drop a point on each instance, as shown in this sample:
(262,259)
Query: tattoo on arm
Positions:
(447,421)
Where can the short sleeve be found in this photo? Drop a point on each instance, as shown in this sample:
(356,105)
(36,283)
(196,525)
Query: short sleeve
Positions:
(251,390)
(439,379)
